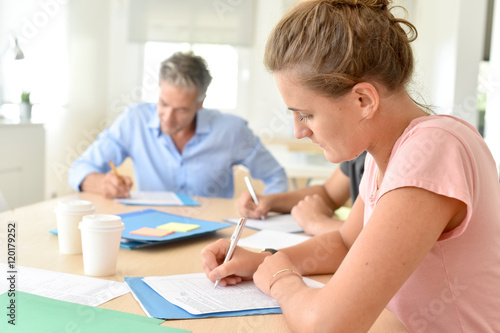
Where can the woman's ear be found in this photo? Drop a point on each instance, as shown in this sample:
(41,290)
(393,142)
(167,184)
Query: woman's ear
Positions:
(367,98)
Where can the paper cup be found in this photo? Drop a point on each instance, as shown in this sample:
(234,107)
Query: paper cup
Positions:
(68,214)
(101,236)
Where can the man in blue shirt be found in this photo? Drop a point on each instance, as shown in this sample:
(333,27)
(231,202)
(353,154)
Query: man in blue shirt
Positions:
(177,145)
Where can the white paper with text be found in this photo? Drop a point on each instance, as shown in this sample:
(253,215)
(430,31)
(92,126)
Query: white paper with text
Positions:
(196,294)
(62,286)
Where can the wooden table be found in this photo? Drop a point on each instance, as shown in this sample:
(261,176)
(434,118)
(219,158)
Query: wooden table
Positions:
(37,248)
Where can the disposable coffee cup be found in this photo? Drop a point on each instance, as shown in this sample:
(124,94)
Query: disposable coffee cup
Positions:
(69,213)
(101,236)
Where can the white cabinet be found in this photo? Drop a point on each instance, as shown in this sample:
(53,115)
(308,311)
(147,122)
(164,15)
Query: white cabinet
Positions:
(22,163)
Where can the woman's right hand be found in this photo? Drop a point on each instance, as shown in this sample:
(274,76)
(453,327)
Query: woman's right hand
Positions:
(241,267)
(247,208)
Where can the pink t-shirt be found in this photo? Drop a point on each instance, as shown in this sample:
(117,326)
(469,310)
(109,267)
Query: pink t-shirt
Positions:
(457,286)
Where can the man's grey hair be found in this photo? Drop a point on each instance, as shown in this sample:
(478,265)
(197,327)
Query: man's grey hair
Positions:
(186,70)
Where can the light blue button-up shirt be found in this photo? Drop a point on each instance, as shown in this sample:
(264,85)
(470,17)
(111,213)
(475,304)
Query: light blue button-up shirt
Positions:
(205,167)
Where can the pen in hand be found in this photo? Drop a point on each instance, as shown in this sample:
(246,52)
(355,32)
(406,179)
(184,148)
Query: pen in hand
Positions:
(235,237)
(112,165)
(252,193)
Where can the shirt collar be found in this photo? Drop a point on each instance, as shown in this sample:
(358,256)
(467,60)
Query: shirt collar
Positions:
(154,121)
(203,123)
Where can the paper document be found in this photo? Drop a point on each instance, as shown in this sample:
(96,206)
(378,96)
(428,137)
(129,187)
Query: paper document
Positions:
(154,305)
(196,294)
(64,287)
(151,198)
(273,239)
(282,222)
(157,198)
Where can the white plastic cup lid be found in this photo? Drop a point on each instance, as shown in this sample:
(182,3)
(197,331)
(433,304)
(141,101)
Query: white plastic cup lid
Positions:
(74,207)
(99,221)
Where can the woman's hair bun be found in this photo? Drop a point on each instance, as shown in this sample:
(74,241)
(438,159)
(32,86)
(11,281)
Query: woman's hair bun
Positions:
(374,4)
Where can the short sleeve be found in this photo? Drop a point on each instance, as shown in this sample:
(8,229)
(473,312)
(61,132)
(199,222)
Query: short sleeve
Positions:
(436,160)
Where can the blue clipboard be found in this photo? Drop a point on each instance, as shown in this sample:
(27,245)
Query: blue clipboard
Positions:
(158,307)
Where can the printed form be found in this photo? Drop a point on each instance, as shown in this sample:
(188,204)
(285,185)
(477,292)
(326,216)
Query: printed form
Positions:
(65,287)
(196,294)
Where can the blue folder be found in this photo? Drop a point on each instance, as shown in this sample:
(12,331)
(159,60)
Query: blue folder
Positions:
(159,307)
(153,218)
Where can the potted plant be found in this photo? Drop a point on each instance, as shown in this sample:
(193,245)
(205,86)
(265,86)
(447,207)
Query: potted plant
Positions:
(25,106)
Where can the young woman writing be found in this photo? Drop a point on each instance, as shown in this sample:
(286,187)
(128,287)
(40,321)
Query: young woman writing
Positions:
(423,237)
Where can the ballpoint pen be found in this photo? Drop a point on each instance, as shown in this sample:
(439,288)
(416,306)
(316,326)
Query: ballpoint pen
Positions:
(235,237)
(252,193)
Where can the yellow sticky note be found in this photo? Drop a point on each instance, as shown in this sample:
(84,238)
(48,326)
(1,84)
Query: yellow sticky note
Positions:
(343,212)
(175,226)
(145,231)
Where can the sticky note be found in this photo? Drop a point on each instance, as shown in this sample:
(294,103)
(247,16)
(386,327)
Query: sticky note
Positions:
(175,226)
(152,232)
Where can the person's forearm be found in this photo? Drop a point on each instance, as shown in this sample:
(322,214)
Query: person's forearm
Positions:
(321,224)
(298,307)
(284,202)
(321,254)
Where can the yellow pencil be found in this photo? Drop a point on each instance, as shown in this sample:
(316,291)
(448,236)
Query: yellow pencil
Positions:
(118,175)
(115,171)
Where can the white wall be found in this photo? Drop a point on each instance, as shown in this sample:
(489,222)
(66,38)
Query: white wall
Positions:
(78,121)
(267,114)
(492,86)
(448,51)
(125,62)
(41,30)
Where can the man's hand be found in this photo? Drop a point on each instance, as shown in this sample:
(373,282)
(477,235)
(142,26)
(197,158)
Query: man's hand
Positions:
(109,185)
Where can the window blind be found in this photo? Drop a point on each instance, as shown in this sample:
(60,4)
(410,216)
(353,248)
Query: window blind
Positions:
(193,21)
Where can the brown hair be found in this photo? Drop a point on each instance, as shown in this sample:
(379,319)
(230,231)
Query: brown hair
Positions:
(333,45)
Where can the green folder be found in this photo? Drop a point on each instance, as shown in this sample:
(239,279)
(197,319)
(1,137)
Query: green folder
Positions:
(39,314)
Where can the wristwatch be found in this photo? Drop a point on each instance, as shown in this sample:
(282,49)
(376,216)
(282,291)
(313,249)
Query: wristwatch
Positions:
(273,251)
